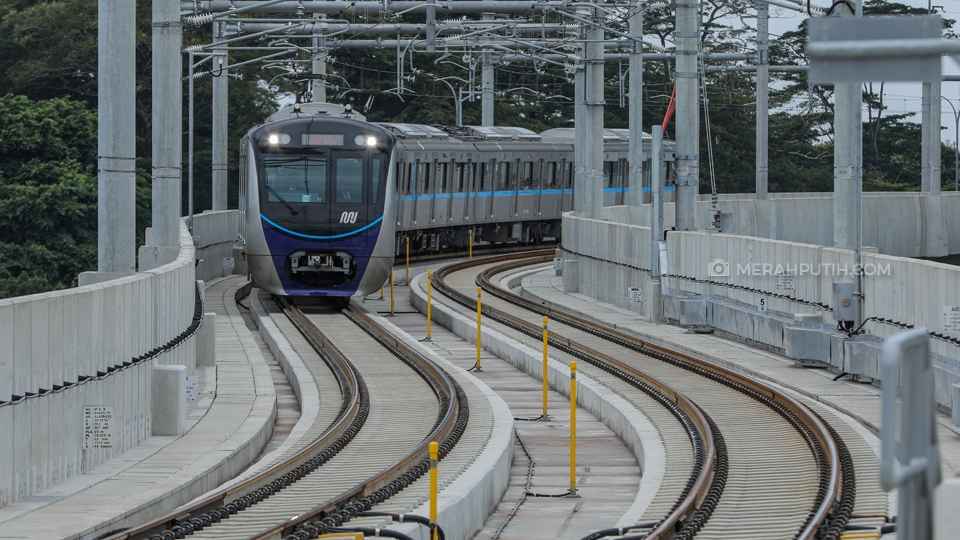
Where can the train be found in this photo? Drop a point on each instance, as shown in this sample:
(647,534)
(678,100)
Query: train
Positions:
(317,203)
(327,199)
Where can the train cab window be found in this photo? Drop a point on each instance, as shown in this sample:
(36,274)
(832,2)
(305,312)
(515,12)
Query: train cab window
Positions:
(424,183)
(349,180)
(443,177)
(296,179)
(526,175)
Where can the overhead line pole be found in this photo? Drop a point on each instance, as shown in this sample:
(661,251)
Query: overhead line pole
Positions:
(763,93)
(220,123)
(688,114)
(635,151)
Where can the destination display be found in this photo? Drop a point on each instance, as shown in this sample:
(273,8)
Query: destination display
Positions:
(322,139)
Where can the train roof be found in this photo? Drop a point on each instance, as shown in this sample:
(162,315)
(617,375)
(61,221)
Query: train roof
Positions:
(298,110)
(609,135)
(414,131)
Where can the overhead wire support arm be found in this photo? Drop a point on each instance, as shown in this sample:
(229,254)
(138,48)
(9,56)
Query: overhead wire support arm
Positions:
(207,18)
(218,44)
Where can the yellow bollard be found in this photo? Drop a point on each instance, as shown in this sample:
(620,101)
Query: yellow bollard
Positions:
(573,429)
(391,291)
(429,302)
(471,244)
(434,456)
(476,367)
(544,416)
(408,262)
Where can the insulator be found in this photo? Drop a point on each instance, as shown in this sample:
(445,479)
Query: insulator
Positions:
(198,20)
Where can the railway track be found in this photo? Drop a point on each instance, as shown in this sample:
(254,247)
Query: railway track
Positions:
(778,470)
(369,453)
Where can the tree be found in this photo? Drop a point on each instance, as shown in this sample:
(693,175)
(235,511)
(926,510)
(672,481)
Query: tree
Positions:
(48,193)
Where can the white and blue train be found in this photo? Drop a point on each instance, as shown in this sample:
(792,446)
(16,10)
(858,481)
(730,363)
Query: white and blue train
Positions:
(317,203)
(326,201)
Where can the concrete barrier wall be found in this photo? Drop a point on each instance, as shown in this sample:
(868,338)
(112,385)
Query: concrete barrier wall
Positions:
(894,223)
(51,340)
(906,291)
(217,233)
(595,239)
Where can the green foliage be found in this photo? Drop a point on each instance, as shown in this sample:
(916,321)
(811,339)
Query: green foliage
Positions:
(48,193)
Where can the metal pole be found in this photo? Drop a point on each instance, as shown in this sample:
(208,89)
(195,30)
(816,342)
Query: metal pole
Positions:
(573,429)
(429,302)
(847,163)
(190,141)
(935,165)
(656,214)
(588,124)
(434,457)
(221,130)
(925,142)
(546,341)
(116,143)
(432,26)
(487,81)
(635,151)
(167,119)
(460,106)
(763,92)
(318,66)
(688,117)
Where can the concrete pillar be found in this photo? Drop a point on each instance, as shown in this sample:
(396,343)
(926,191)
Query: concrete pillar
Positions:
(925,135)
(588,124)
(656,210)
(763,92)
(487,80)
(116,142)
(635,151)
(688,115)
(169,400)
(207,341)
(847,160)
(946,519)
(221,131)
(167,120)
(654,302)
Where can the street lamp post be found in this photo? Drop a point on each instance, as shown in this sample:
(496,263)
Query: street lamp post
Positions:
(956,148)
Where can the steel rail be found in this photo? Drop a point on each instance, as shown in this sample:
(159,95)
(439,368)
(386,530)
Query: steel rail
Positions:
(832,473)
(698,488)
(222,503)
(451,422)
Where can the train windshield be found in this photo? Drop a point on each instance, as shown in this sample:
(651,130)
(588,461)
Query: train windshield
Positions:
(299,179)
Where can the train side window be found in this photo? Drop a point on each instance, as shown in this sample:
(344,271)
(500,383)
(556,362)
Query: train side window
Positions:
(424,185)
(460,177)
(608,174)
(443,177)
(526,175)
(550,176)
(471,181)
(411,178)
(484,177)
(505,176)
(508,181)
(567,177)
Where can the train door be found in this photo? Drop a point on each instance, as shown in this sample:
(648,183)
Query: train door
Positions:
(439,175)
(566,202)
(538,185)
(350,209)
(465,187)
(446,187)
(524,199)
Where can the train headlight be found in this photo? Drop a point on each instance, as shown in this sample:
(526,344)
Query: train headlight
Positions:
(371,141)
(273,138)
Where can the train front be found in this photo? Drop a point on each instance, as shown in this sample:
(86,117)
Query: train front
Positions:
(316,224)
